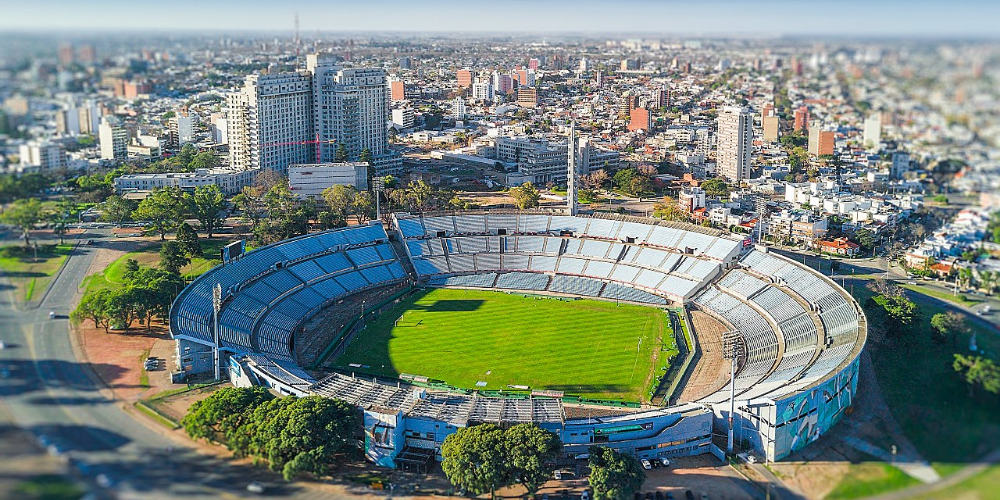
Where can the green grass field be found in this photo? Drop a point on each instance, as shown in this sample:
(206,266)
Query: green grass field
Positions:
(28,276)
(586,348)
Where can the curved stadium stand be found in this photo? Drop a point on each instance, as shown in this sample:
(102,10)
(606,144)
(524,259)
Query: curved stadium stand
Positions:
(803,334)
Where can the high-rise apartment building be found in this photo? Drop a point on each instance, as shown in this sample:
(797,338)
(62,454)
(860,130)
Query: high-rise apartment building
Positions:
(307,117)
(464,78)
(270,122)
(181,129)
(397,90)
(640,119)
(42,156)
(821,142)
(801,119)
(482,91)
(735,143)
(770,124)
(873,132)
(113,139)
(527,97)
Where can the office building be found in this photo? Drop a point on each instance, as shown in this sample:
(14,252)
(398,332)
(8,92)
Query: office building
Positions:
(821,142)
(113,139)
(735,143)
(309,181)
(541,162)
(228,180)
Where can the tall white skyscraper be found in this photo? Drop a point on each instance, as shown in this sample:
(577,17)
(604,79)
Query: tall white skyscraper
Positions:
(735,143)
(873,132)
(300,118)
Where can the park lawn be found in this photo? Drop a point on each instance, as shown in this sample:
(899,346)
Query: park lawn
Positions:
(982,486)
(29,277)
(869,479)
(585,348)
(149,256)
(927,398)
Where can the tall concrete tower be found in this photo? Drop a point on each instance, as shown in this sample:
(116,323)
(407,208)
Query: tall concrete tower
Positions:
(573,170)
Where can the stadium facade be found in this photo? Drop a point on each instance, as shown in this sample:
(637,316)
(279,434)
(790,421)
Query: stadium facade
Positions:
(802,333)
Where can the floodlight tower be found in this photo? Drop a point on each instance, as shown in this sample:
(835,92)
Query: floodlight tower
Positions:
(571,174)
(733,348)
(216,307)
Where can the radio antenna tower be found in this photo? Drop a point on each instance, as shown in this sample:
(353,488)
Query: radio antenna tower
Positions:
(298,41)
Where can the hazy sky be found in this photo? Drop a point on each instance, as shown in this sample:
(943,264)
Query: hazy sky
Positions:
(975,18)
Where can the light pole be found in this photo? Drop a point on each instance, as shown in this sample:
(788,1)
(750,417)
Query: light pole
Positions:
(379,186)
(732,349)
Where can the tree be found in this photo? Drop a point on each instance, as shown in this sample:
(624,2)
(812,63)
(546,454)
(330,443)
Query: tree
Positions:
(865,238)
(667,209)
(24,214)
(207,205)
(187,237)
(614,475)
(204,160)
(979,372)
(172,257)
(364,206)
(595,180)
(716,188)
(475,459)
(117,210)
(223,413)
(301,435)
(944,325)
(525,196)
(61,217)
(366,156)
(340,199)
(530,451)
(340,155)
(93,306)
(163,210)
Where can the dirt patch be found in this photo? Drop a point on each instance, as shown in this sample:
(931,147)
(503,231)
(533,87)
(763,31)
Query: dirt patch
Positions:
(711,372)
(117,358)
(700,474)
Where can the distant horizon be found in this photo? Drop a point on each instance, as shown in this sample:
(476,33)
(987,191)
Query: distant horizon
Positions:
(890,19)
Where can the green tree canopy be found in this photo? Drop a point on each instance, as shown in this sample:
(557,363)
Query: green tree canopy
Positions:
(948,324)
(173,257)
(24,214)
(187,237)
(716,188)
(117,210)
(614,475)
(207,205)
(979,372)
(530,451)
(525,196)
(475,459)
(163,210)
(221,415)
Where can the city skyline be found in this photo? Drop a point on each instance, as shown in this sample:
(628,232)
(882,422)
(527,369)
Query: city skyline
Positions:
(921,19)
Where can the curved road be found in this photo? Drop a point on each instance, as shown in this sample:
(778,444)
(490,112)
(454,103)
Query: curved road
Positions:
(54,396)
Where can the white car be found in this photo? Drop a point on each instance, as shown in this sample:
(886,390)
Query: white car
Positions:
(256,487)
(646,465)
(665,462)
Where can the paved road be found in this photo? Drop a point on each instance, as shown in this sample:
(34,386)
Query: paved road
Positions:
(51,394)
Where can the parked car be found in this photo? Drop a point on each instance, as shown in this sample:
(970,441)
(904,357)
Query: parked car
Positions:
(256,487)
(646,465)
(665,461)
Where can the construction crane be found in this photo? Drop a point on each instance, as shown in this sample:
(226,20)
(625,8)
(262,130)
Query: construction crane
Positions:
(315,141)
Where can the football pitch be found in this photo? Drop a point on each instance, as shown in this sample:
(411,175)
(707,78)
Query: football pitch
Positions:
(587,348)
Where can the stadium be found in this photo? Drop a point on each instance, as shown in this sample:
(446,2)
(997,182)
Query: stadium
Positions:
(629,332)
